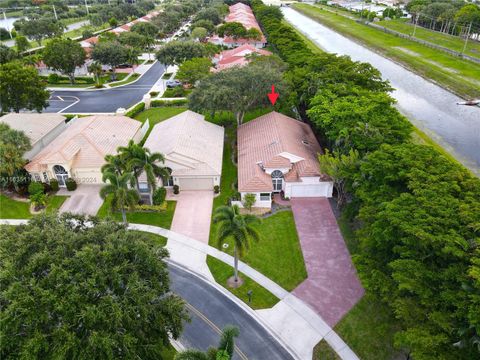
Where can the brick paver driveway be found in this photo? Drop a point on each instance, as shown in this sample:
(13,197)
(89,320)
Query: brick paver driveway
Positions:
(332,287)
(193,214)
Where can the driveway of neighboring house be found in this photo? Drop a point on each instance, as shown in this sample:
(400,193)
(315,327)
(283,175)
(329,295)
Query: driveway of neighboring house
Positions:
(193,214)
(332,287)
(84,200)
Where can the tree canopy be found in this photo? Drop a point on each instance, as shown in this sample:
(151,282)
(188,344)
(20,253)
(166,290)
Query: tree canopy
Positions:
(194,70)
(21,88)
(64,55)
(110,53)
(39,29)
(176,52)
(70,290)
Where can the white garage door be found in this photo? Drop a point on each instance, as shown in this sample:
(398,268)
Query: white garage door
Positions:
(309,191)
(196,184)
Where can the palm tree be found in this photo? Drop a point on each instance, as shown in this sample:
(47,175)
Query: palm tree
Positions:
(238,227)
(129,152)
(114,164)
(148,162)
(224,351)
(11,160)
(96,69)
(122,195)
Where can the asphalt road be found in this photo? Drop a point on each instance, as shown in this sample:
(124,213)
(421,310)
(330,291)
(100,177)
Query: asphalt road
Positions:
(211,311)
(107,100)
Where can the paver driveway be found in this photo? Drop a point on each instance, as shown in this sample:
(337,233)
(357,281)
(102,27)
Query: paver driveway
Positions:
(84,200)
(193,214)
(332,287)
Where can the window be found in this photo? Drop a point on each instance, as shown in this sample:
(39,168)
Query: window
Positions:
(277,180)
(168,181)
(265,196)
(143,187)
(37,177)
(45,177)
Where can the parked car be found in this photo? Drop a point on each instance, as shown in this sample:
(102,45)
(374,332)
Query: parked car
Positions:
(173,83)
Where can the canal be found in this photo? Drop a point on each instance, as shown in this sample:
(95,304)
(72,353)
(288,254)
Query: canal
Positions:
(428,106)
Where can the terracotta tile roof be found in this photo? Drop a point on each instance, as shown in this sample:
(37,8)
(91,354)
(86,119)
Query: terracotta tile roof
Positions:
(237,56)
(191,141)
(274,141)
(35,126)
(86,141)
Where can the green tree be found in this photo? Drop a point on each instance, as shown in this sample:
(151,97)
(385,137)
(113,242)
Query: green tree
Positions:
(113,22)
(22,44)
(194,70)
(148,163)
(146,29)
(210,14)
(132,39)
(248,201)
(119,192)
(128,154)
(341,168)
(39,29)
(176,52)
(21,88)
(233,29)
(79,288)
(253,34)
(110,53)
(64,55)
(95,68)
(206,24)
(236,227)
(199,33)
(6,54)
(114,164)
(237,89)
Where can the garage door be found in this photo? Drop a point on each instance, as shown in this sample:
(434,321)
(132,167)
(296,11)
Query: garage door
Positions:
(196,184)
(309,191)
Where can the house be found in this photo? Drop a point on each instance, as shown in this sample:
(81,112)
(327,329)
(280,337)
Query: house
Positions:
(41,129)
(237,57)
(88,44)
(243,14)
(277,153)
(79,151)
(193,150)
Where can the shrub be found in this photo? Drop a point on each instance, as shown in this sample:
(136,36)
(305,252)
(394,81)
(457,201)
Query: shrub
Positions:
(159,196)
(151,208)
(53,79)
(176,189)
(153,93)
(54,185)
(161,103)
(71,184)
(38,199)
(35,188)
(216,189)
(137,109)
(46,187)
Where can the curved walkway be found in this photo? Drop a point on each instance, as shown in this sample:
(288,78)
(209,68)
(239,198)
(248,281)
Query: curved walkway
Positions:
(300,317)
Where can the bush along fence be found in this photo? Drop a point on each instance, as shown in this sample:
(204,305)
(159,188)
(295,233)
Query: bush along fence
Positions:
(417,212)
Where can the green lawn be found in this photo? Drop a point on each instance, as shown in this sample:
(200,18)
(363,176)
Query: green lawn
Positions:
(104,79)
(162,219)
(11,209)
(323,351)
(261,297)
(156,115)
(131,79)
(168,353)
(460,76)
(449,41)
(154,238)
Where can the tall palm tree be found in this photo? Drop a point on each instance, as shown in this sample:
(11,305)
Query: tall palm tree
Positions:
(238,227)
(11,160)
(122,195)
(147,162)
(114,164)
(129,152)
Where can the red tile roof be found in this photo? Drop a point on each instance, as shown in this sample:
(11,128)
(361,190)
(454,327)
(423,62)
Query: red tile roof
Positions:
(266,142)
(237,56)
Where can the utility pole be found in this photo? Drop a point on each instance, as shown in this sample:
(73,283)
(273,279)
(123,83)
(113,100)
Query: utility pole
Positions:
(466,38)
(415,26)
(55,12)
(86,7)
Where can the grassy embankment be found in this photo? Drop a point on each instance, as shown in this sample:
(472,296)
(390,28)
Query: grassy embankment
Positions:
(453,73)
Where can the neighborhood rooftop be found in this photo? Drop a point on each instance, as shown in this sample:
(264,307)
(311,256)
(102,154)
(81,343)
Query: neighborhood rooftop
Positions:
(237,57)
(86,141)
(274,141)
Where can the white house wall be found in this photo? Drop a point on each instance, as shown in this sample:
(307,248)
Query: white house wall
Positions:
(259,203)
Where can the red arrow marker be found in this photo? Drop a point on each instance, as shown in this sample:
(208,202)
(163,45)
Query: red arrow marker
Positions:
(273,96)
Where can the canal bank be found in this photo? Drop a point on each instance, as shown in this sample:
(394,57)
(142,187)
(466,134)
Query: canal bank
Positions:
(428,106)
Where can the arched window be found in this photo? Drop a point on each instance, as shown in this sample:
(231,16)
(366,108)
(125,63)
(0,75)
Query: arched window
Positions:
(277,180)
(61,174)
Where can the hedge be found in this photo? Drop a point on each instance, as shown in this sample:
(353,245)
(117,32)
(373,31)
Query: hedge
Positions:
(137,109)
(162,103)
